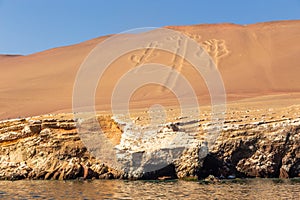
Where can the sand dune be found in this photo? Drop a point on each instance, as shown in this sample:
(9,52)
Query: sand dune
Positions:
(254,60)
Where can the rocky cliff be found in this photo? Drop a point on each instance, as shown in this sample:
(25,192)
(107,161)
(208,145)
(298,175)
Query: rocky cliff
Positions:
(253,143)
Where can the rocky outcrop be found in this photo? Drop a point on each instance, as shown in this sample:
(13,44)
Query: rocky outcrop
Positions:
(149,152)
(259,149)
(49,147)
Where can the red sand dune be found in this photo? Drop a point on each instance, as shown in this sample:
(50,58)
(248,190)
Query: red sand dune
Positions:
(254,60)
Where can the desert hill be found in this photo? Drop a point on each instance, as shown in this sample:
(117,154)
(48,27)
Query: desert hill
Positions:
(254,60)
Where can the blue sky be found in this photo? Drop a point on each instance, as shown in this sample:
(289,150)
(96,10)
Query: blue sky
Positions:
(35,25)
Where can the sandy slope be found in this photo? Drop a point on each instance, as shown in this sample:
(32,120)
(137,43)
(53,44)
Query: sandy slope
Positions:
(254,60)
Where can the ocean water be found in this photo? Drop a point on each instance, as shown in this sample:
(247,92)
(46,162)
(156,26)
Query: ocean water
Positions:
(120,189)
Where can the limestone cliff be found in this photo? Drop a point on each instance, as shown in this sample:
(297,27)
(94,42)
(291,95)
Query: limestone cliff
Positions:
(49,147)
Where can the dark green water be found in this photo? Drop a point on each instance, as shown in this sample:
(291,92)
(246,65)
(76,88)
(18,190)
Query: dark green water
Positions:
(118,189)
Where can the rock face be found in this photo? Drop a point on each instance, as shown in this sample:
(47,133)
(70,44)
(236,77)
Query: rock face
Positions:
(49,147)
(46,147)
(148,152)
(260,149)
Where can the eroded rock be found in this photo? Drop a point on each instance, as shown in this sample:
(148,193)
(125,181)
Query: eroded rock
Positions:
(49,147)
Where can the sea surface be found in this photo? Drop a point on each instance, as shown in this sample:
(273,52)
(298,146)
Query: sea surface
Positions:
(120,189)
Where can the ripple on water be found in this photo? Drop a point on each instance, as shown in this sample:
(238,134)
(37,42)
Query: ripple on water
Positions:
(118,189)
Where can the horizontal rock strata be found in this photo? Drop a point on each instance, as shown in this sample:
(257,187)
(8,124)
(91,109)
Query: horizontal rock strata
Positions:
(49,147)
(46,147)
